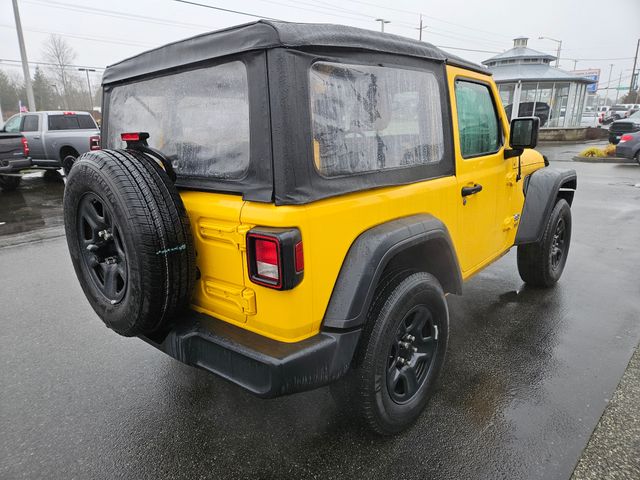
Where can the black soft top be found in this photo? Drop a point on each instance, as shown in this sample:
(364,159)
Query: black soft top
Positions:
(265,34)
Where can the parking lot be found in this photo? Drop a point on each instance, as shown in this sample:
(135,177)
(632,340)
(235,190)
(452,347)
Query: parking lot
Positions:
(528,373)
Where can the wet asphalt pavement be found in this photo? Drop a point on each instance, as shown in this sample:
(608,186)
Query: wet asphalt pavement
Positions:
(528,375)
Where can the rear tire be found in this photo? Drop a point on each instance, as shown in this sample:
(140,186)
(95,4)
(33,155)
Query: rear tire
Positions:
(67,163)
(129,239)
(9,184)
(400,355)
(541,264)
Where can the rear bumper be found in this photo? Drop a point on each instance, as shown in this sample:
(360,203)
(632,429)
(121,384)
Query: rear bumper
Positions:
(14,165)
(265,367)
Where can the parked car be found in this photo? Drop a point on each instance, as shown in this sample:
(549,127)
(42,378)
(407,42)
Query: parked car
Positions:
(620,127)
(14,157)
(619,111)
(603,112)
(330,214)
(526,110)
(629,146)
(56,138)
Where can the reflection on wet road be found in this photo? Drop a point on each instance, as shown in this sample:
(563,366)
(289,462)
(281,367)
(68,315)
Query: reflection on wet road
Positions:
(36,204)
(528,375)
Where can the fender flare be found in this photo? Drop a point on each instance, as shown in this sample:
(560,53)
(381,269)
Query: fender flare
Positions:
(372,251)
(541,189)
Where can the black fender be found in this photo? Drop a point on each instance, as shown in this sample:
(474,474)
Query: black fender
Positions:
(421,241)
(541,189)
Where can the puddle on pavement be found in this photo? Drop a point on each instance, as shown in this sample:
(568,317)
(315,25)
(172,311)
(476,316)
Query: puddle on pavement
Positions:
(36,204)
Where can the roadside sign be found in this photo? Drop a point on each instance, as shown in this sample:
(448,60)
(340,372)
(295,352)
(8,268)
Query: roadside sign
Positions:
(593,74)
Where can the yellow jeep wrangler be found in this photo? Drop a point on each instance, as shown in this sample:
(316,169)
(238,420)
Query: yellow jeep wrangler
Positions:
(288,205)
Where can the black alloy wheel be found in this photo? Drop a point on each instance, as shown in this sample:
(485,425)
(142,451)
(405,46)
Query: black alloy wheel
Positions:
(411,354)
(541,264)
(103,252)
(400,355)
(558,244)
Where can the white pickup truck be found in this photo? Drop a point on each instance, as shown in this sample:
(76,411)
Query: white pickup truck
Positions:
(56,138)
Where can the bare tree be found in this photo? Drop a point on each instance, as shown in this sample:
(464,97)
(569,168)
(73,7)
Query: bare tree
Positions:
(58,52)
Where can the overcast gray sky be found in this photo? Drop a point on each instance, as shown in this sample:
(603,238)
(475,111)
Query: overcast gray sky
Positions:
(595,32)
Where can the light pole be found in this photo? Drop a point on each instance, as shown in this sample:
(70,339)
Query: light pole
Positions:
(421,28)
(559,42)
(87,70)
(382,22)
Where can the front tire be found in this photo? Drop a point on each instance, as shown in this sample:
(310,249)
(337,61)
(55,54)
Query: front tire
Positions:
(541,264)
(401,353)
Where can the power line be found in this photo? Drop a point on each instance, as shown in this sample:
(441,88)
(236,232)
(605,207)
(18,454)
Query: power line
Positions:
(427,16)
(49,64)
(115,14)
(84,37)
(226,10)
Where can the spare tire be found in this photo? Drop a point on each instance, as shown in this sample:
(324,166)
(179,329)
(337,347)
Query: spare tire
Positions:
(130,240)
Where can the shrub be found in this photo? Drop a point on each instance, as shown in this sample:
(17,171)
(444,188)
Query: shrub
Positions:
(592,152)
(610,150)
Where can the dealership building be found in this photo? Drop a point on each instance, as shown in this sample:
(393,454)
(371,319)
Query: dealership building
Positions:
(528,83)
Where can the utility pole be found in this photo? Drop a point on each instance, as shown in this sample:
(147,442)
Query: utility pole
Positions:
(87,70)
(606,98)
(618,89)
(382,22)
(421,28)
(633,70)
(23,56)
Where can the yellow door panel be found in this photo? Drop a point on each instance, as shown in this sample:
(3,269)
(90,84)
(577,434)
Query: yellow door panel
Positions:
(485,217)
(220,247)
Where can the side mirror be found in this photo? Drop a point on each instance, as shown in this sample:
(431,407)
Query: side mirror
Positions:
(524,133)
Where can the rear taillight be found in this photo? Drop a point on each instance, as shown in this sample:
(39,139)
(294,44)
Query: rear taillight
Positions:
(275,257)
(25,147)
(267,258)
(94,142)
(625,138)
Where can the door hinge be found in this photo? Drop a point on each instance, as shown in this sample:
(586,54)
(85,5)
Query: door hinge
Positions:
(225,232)
(243,299)
(511,222)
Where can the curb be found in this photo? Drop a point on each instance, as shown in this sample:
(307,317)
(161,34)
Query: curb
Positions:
(30,237)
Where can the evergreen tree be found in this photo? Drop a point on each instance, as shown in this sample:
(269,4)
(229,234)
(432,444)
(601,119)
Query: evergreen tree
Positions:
(43,92)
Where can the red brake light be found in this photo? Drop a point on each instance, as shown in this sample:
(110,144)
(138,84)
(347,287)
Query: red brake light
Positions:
(130,137)
(299,257)
(68,113)
(267,259)
(25,147)
(275,257)
(625,138)
(94,142)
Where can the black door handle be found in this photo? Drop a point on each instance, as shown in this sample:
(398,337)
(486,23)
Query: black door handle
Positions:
(466,191)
